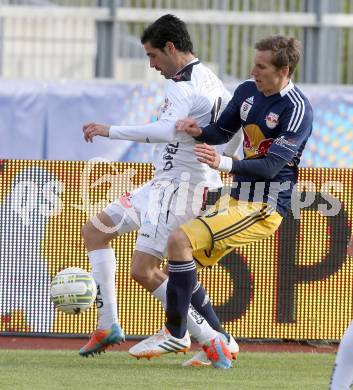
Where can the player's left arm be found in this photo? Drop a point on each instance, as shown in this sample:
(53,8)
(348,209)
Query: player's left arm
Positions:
(264,168)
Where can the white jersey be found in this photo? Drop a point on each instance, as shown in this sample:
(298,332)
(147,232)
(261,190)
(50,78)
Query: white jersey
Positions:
(198,93)
(194,92)
(163,204)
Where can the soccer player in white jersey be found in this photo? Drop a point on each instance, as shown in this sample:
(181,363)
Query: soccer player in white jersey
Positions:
(191,90)
(342,375)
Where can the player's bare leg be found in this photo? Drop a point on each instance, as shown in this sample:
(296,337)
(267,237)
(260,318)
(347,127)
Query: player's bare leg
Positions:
(97,235)
(145,270)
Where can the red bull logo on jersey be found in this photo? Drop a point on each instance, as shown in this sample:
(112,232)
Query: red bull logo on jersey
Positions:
(264,146)
(255,144)
(272,120)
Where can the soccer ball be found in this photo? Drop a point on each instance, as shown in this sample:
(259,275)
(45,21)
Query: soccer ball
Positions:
(73,290)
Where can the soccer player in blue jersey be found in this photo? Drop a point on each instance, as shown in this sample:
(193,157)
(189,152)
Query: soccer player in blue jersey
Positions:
(276,119)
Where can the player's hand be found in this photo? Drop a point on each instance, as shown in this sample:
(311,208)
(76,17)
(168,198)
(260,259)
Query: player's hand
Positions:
(350,247)
(90,130)
(207,154)
(189,126)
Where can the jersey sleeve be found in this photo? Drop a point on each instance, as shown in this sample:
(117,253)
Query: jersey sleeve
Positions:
(159,131)
(177,104)
(296,126)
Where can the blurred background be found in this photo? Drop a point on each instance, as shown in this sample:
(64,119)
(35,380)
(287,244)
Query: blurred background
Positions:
(63,63)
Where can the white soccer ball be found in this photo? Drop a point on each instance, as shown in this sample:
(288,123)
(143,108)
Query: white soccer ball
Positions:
(73,290)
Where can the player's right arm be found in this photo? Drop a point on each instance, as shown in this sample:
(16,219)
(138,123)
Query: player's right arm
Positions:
(159,131)
(92,129)
(177,105)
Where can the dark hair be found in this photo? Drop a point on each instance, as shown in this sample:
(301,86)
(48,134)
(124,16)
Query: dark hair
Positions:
(285,51)
(168,28)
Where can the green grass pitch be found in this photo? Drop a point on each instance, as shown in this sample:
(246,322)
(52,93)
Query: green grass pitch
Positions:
(46,370)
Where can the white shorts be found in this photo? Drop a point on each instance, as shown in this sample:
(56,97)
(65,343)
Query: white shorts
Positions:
(156,209)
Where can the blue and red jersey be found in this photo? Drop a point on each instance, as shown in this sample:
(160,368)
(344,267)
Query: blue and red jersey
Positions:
(277,125)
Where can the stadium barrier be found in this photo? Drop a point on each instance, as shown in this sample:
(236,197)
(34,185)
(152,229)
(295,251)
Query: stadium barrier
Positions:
(297,284)
(44,121)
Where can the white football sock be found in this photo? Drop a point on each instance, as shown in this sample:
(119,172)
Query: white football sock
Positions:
(103,271)
(161,293)
(342,375)
(196,324)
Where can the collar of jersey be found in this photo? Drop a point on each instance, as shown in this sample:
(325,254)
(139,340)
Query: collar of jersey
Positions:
(287,88)
(189,65)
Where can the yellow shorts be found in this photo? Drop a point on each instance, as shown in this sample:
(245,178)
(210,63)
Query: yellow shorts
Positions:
(229,224)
